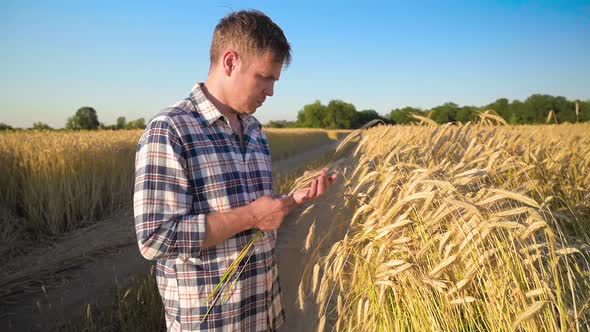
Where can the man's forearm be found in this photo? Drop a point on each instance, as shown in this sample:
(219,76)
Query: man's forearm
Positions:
(220,226)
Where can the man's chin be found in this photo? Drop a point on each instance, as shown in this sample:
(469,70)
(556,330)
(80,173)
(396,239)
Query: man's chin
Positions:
(246,111)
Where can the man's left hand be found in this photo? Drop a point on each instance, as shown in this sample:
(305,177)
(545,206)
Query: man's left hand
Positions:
(318,187)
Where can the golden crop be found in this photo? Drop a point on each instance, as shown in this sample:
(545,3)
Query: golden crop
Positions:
(54,182)
(58,181)
(459,228)
(290,141)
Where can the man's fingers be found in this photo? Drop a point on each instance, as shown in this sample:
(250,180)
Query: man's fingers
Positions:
(333,178)
(322,183)
(313,190)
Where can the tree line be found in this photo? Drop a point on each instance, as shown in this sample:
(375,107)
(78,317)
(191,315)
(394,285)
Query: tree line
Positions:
(536,109)
(86,118)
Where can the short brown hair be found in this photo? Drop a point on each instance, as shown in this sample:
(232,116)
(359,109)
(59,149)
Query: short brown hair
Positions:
(252,32)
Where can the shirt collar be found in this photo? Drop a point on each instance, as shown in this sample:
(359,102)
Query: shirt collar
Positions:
(210,114)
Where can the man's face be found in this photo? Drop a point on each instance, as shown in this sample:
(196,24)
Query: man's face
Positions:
(254,81)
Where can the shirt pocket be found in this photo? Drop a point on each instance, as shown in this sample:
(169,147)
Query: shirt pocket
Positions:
(192,284)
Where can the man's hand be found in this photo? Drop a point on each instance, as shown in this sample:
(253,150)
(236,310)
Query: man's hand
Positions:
(268,213)
(318,187)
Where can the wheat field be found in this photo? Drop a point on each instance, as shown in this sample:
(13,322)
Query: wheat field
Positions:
(54,182)
(451,228)
(458,228)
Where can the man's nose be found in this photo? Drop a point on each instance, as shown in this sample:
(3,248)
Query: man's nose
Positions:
(269,91)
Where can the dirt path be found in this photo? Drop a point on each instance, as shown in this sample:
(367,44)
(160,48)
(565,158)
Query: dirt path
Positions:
(293,260)
(55,284)
(302,159)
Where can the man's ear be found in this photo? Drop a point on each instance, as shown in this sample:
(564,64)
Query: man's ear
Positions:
(230,62)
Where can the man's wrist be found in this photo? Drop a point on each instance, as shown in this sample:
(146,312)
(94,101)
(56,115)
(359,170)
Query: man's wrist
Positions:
(291,201)
(247,213)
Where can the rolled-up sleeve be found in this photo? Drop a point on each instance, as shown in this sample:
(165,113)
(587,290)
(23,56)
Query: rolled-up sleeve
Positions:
(165,222)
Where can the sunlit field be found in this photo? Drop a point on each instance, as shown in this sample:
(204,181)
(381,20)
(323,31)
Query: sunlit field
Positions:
(290,141)
(448,228)
(459,228)
(55,182)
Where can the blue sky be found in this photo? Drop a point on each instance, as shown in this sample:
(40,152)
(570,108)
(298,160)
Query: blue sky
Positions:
(133,59)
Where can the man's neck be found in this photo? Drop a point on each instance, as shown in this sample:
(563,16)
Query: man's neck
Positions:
(217,97)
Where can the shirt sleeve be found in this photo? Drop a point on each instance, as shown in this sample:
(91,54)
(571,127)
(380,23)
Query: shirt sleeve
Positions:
(165,223)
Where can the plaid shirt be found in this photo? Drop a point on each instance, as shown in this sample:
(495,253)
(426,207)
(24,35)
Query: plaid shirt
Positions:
(190,163)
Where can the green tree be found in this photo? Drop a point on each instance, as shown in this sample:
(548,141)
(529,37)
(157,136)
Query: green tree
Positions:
(584,111)
(500,106)
(312,115)
(565,110)
(41,126)
(4,126)
(85,118)
(136,124)
(466,113)
(367,115)
(517,110)
(404,115)
(121,123)
(514,119)
(447,112)
(280,124)
(340,115)
(536,108)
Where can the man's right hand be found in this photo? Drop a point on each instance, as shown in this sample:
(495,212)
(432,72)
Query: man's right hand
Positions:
(268,213)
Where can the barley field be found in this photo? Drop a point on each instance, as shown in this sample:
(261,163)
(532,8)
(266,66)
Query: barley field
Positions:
(444,228)
(288,142)
(56,182)
(457,228)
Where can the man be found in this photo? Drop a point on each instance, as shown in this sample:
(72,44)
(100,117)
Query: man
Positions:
(203,186)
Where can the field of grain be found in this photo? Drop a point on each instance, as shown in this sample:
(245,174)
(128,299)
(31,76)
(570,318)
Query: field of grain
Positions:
(458,228)
(446,228)
(287,142)
(55,182)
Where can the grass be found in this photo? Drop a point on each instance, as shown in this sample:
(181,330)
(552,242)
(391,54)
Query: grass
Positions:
(136,308)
